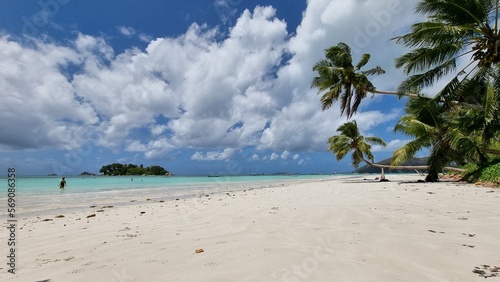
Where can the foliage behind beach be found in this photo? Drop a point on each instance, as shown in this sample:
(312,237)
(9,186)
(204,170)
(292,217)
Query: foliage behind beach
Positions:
(458,43)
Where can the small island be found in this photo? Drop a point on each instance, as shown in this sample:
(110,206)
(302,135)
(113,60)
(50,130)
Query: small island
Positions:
(132,169)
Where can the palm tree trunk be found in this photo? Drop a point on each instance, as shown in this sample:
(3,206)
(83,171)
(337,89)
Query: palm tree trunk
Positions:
(411,167)
(409,95)
(492,151)
(412,95)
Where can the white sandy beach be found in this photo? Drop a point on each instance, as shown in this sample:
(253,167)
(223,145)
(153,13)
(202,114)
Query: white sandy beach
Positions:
(338,230)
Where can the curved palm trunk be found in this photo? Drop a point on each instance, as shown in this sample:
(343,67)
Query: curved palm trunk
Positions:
(409,95)
(412,95)
(408,167)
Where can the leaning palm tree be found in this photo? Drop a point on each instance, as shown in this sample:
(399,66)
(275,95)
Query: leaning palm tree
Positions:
(340,80)
(457,32)
(435,129)
(350,140)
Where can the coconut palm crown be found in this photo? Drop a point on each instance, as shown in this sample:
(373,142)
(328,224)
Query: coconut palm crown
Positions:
(455,29)
(433,128)
(456,32)
(351,140)
(340,80)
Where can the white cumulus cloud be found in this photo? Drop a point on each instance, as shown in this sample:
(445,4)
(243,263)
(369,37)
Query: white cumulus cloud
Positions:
(250,89)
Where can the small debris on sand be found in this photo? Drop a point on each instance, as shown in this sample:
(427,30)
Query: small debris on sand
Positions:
(487,271)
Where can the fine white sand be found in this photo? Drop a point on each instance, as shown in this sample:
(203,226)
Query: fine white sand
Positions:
(336,230)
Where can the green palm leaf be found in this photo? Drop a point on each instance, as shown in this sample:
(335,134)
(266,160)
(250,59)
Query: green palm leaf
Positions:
(339,80)
(350,140)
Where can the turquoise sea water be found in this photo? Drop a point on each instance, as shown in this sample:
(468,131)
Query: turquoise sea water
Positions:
(43,193)
(78,184)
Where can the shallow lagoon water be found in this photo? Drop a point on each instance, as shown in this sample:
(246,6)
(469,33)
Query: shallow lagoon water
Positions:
(43,193)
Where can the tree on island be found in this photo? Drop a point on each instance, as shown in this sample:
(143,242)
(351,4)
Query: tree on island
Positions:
(131,169)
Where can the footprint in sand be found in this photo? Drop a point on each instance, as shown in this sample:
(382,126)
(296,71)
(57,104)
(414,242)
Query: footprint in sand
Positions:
(150,261)
(469,234)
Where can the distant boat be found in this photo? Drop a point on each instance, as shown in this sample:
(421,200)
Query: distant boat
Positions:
(52,174)
(213,176)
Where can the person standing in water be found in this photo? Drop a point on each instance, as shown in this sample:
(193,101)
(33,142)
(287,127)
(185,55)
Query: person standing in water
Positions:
(62,184)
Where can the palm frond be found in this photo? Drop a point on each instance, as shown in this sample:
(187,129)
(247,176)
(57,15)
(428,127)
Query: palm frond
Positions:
(363,61)
(408,151)
(422,59)
(458,12)
(417,82)
(374,71)
(433,34)
(376,140)
(328,98)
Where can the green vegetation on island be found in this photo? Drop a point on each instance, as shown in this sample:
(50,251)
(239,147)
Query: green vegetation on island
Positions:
(458,44)
(131,169)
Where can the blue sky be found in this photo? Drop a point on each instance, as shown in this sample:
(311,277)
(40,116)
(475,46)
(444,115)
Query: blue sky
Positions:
(198,87)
